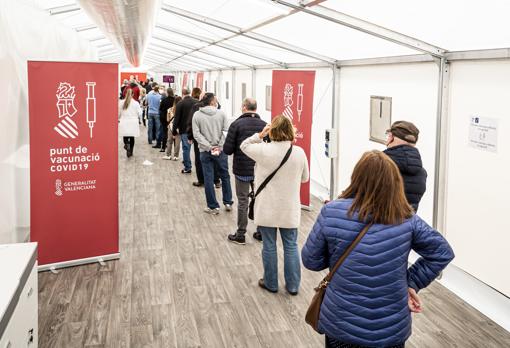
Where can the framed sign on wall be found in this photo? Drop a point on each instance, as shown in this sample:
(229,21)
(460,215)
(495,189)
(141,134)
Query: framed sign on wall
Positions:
(380,118)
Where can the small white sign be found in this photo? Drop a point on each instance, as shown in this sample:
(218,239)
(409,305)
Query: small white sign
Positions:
(483,133)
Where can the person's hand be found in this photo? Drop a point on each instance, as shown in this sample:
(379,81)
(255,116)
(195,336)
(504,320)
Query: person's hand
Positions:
(265,131)
(190,142)
(414,301)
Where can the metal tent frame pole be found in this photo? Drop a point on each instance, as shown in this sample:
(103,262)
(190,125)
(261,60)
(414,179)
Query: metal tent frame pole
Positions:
(442,138)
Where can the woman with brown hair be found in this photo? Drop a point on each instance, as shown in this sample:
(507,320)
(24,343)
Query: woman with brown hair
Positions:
(129,120)
(277,206)
(369,300)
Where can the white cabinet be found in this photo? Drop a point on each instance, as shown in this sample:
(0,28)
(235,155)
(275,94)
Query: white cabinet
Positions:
(18,296)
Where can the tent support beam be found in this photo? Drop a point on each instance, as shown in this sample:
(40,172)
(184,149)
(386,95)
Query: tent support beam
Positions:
(170,51)
(441,157)
(195,49)
(366,27)
(335,123)
(199,61)
(498,53)
(247,33)
(219,43)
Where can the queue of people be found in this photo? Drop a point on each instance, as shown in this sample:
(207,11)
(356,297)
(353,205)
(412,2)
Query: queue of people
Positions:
(366,234)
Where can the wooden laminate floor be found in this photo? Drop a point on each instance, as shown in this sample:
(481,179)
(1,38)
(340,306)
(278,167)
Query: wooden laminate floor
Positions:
(179,283)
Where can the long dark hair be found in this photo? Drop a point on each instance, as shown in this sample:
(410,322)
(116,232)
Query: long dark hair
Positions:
(378,190)
(206,100)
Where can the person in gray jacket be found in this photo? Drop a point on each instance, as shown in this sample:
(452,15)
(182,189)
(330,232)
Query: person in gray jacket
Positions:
(209,128)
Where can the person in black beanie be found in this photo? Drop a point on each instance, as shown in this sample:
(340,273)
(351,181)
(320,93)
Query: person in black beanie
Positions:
(401,148)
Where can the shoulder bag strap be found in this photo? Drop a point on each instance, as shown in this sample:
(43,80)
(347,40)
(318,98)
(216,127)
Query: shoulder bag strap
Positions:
(268,179)
(346,253)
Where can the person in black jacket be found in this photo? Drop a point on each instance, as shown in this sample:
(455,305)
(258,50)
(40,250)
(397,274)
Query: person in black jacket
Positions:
(182,113)
(195,93)
(166,103)
(401,142)
(245,126)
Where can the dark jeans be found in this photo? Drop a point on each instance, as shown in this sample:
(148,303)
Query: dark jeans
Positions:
(153,129)
(242,192)
(162,136)
(186,147)
(333,343)
(129,141)
(208,161)
(198,166)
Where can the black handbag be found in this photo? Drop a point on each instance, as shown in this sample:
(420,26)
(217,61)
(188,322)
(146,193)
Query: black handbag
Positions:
(253,194)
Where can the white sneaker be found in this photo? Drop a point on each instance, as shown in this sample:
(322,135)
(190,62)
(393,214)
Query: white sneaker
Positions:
(214,211)
(175,159)
(167,157)
(228,207)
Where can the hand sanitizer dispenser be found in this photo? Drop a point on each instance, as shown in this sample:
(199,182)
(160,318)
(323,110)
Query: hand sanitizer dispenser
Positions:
(331,143)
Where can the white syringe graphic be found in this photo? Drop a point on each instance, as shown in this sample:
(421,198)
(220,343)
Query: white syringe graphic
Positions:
(300,101)
(91,106)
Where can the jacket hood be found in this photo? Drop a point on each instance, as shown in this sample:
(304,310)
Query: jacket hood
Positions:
(407,158)
(209,110)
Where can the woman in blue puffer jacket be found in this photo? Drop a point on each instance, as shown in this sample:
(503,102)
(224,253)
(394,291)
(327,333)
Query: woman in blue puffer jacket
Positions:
(370,298)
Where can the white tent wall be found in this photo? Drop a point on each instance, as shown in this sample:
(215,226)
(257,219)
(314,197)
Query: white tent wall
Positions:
(41,37)
(226,103)
(413,89)
(478,186)
(241,77)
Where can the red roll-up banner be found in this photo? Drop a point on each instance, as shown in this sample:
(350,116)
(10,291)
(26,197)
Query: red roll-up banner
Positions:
(200,80)
(73,110)
(185,80)
(292,96)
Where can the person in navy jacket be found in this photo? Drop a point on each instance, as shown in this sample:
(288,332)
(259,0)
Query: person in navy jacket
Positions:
(372,295)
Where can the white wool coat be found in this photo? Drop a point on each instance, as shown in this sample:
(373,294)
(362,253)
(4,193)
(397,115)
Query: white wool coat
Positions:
(129,118)
(278,205)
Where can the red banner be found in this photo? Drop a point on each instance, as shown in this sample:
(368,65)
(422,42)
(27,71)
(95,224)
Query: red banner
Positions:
(200,81)
(73,160)
(292,96)
(185,80)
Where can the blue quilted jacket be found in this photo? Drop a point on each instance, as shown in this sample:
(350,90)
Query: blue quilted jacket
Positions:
(366,302)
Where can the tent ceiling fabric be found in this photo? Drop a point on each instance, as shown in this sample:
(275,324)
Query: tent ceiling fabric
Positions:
(129,23)
(232,33)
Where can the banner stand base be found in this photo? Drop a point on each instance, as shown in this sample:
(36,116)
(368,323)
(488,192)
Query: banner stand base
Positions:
(100,259)
(306,207)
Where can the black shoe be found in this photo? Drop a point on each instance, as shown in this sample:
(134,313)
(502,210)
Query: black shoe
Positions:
(198,184)
(257,236)
(156,146)
(263,286)
(292,293)
(184,171)
(236,238)
(217,184)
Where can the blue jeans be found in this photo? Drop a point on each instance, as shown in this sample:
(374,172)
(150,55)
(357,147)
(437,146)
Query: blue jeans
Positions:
(186,147)
(154,128)
(208,162)
(291,261)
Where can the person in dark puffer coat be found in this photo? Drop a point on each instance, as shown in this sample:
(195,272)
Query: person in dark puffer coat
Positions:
(401,142)
(369,300)
(245,126)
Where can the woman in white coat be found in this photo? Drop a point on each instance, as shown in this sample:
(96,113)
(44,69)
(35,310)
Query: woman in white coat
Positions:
(278,205)
(129,120)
